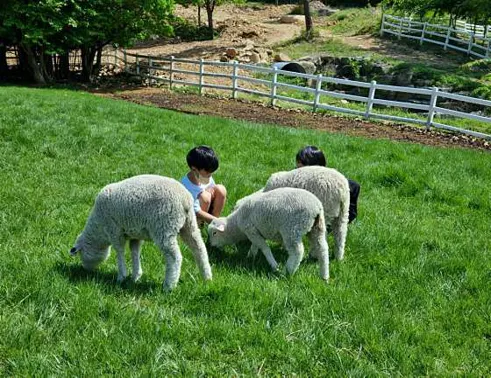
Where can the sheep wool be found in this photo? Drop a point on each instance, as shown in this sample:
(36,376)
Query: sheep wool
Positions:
(330,187)
(285,215)
(146,207)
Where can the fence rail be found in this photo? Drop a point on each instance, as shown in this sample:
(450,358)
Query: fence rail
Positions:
(459,38)
(239,78)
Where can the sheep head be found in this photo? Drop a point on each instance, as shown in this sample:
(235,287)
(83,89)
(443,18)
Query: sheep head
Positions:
(217,232)
(91,255)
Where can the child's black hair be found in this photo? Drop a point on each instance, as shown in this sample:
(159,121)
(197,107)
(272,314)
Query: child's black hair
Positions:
(203,157)
(311,155)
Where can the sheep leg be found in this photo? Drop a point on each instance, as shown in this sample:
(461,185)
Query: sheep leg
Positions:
(191,235)
(173,261)
(135,246)
(252,251)
(295,254)
(119,247)
(258,242)
(339,230)
(320,249)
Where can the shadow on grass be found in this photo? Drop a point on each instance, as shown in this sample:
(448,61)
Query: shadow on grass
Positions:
(105,280)
(235,258)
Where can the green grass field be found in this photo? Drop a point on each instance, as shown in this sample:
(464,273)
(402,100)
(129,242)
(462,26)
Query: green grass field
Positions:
(411,298)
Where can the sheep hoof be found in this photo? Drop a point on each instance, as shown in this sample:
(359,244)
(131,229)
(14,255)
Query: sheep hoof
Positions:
(120,279)
(169,287)
(136,277)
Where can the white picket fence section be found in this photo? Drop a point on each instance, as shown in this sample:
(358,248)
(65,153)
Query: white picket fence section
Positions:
(459,39)
(235,77)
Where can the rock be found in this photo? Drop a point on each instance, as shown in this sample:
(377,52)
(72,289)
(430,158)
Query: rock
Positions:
(224,58)
(309,67)
(292,19)
(281,57)
(249,34)
(231,53)
(255,58)
(249,45)
(264,56)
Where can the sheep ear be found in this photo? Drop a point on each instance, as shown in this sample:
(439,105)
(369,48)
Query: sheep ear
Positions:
(74,251)
(221,227)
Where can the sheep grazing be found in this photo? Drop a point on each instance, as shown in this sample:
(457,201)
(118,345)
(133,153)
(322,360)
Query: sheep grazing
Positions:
(285,215)
(328,185)
(146,207)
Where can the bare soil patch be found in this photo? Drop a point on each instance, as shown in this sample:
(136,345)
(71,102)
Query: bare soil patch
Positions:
(239,25)
(260,113)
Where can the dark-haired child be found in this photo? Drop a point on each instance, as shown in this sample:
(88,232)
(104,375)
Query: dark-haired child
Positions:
(209,198)
(311,155)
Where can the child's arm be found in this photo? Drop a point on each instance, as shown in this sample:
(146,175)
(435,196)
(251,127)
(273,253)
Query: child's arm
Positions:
(203,215)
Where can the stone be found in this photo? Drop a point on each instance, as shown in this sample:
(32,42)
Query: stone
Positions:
(231,53)
(292,19)
(224,58)
(281,57)
(255,58)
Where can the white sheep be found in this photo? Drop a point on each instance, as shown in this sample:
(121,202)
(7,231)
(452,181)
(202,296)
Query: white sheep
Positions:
(330,186)
(285,215)
(146,207)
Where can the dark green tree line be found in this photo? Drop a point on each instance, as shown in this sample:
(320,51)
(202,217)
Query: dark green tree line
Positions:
(45,31)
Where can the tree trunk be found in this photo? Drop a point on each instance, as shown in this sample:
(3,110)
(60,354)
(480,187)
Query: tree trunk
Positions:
(199,15)
(98,65)
(64,66)
(88,55)
(309,25)
(210,7)
(3,61)
(32,65)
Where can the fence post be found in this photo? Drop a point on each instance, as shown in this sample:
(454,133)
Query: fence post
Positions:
(149,67)
(201,71)
(423,33)
(383,24)
(400,29)
(273,86)
(171,71)
(487,49)
(137,65)
(447,39)
(318,87)
(125,61)
(234,80)
(371,97)
(115,57)
(471,41)
(431,110)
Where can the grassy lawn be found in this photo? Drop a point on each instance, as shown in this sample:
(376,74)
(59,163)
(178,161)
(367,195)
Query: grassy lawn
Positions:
(412,297)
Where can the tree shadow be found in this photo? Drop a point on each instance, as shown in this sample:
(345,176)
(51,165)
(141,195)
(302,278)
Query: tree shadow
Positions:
(107,281)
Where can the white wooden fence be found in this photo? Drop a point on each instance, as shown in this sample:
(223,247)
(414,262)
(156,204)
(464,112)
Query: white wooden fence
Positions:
(457,39)
(480,30)
(237,78)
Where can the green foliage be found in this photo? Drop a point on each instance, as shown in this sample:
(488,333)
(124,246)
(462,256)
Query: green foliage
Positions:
(412,297)
(356,21)
(476,11)
(46,27)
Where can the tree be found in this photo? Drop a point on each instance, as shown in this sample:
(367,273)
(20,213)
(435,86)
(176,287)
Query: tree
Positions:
(309,25)
(45,31)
